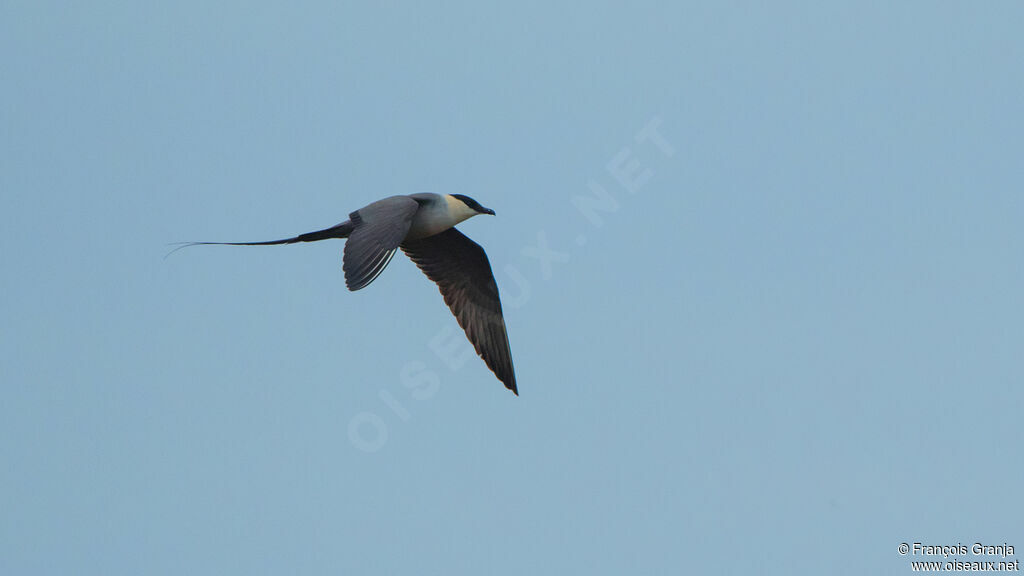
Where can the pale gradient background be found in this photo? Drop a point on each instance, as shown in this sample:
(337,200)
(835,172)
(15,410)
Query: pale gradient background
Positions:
(794,347)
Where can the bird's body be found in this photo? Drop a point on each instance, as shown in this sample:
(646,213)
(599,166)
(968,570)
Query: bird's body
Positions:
(423,226)
(437,214)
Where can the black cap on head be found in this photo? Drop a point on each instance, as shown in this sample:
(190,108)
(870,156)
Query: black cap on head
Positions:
(473,204)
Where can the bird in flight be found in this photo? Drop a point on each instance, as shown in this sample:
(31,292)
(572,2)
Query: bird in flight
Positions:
(423,226)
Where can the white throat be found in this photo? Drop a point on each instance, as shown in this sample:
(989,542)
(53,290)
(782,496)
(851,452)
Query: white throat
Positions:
(458,210)
(436,217)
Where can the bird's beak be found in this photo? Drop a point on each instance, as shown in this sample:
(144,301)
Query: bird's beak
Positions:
(488,211)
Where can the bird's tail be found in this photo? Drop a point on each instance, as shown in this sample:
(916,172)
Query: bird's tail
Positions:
(340,231)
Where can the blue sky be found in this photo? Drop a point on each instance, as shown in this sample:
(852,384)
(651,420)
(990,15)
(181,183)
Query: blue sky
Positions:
(782,336)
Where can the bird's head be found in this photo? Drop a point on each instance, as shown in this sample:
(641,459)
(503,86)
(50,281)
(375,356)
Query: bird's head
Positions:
(467,207)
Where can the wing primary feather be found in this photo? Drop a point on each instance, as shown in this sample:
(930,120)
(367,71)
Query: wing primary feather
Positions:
(378,229)
(463,275)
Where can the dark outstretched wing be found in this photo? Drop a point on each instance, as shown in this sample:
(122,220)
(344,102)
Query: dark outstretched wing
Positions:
(377,231)
(461,270)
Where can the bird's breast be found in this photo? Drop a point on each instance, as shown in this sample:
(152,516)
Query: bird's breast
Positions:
(429,221)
